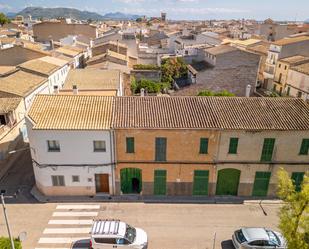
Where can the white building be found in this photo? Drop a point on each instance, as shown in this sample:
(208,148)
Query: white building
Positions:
(72,148)
(298,81)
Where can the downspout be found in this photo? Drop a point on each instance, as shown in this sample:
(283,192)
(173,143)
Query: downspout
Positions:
(112,156)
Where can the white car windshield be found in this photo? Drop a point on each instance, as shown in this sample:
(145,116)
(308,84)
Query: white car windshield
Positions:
(273,238)
(130,233)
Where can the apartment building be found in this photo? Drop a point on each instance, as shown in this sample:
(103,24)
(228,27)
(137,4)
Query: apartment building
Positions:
(283,48)
(167,145)
(298,81)
(282,69)
(72,147)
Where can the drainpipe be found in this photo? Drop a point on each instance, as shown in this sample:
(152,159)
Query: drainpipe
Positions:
(113,157)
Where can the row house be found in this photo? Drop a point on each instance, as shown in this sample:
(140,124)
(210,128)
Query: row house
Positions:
(166,145)
(298,81)
(283,48)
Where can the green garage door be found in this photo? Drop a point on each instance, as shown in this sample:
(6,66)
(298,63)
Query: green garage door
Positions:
(261,183)
(131,180)
(159,182)
(298,178)
(200,182)
(227,182)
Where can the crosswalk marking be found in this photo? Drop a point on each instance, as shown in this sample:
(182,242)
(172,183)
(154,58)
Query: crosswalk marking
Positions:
(61,240)
(72,214)
(66,230)
(78,207)
(70,222)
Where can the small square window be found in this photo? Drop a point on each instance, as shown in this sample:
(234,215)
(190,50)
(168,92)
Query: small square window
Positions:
(99,146)
(53,145)
(89,179)
(75,178)
(58,180)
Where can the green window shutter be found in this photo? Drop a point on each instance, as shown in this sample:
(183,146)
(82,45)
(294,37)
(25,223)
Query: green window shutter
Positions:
(304,147)
(159,182)
(130,144)
(297,178)
(160,155)
(268,148)
(261,183)
(200,182)
(204,145)
(233,145)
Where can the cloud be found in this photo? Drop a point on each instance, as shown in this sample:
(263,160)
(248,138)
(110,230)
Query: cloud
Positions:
(5,6)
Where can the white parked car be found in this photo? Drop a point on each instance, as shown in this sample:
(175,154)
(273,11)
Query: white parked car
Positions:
(258,238)
(107,234)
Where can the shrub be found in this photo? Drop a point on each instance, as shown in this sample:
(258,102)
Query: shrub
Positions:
(211,93)
(5,243)
(146,67)
(173,68)
(149,85)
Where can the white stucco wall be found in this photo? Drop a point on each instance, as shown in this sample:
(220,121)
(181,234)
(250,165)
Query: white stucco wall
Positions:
(299,82)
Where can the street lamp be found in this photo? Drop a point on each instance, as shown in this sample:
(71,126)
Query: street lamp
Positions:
(5,216)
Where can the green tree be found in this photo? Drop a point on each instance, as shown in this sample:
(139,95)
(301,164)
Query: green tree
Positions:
(294,214)
(3,19)
(224,93)
(173,68)
(5,243)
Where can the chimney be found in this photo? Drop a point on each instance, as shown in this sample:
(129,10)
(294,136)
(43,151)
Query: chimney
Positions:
(118,46)
(56,90)
(248,90)
(75,90)
(51,43)
(142,92)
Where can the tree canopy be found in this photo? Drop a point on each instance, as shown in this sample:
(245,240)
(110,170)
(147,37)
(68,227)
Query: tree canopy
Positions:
(294,214)
(173,68)
(3,19)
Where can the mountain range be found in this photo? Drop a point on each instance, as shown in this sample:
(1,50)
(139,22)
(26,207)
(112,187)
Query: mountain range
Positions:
(49,13)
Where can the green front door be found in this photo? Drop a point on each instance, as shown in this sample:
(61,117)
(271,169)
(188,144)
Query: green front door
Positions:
(131,180)
(297,178)
(159,182)
(261,183)
(200,182)
(227,182)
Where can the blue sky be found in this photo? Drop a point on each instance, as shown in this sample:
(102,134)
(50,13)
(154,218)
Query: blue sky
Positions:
(180,9)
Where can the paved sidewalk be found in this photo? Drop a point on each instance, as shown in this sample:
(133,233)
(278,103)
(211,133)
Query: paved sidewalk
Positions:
(154,199)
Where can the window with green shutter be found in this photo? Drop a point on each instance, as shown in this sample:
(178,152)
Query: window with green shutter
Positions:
(204,145)
(297,178)
(160,155)
(130,144)
(304,148)
(159,182)
(233,145)
(268,149)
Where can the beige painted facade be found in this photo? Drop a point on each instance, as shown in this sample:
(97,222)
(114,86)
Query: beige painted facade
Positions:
(281,76)
(298,84)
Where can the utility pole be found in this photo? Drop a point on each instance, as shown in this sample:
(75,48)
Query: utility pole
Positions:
(7,222)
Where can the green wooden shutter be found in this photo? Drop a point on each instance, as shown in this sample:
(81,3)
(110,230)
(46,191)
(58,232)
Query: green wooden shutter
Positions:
(200,182)
(304,147)
(203,145)
(268,148)
(261,183)
(159,182)
(130,144)
(297,178)
(228,182)
(233,145)
(126,177)
(160,149)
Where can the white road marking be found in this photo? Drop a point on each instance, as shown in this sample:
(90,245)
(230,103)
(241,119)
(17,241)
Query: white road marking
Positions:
(78,207)
(70,222)
(60,240)
(66,230)
(74,214)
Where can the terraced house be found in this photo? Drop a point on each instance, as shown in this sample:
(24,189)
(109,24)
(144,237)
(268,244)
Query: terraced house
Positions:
(170,145)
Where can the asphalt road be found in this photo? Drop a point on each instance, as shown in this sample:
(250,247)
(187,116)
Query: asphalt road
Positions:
(173,226)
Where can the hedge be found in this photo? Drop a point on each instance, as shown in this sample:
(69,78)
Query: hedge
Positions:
(5,243)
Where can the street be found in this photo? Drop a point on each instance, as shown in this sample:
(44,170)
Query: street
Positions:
(173,226)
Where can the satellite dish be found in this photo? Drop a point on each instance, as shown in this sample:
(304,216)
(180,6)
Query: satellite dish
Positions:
(22,236)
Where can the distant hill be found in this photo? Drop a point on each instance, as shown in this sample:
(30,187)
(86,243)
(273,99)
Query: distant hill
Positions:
(307,21)
(39,12)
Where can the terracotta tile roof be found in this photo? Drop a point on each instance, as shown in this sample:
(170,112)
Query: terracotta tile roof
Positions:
(21,83)
(39,66)
(286,41)
(211,113)
(9,104)
(222,49)
(54,60)
(71,112)
(88,79)
(6,69)
(67,51)
(302,68)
